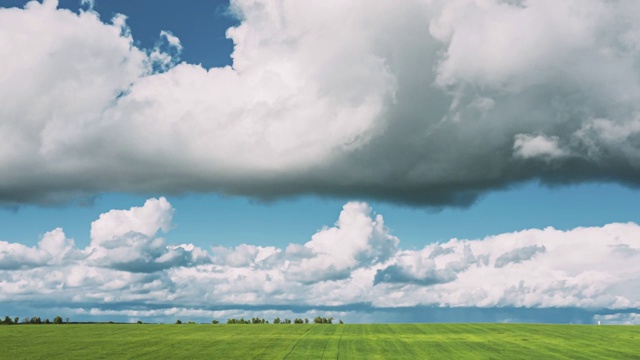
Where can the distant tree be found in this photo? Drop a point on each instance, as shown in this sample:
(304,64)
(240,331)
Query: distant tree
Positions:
(276,320)
(15,320)
(8,321)
(214,322)
(57,320)
(178,322)
(47,321)
(26,320)
(306,321)
(238,321)
(322,320)
(341,321)
(298,321)
(67,320)
(287,321)
(34,320)
(139,322)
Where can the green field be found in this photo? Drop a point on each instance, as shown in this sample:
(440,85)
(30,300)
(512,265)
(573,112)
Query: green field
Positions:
(381,341)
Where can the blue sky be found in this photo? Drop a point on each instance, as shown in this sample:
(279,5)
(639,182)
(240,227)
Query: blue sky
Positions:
(140,151)
(213,219)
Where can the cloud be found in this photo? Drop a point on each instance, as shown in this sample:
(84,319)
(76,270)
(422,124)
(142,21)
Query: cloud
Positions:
(528,146)
(440,266)
(519,255)
(89,3)
(171,39)
(166,53)
(396,274)
(53,249)
(618,319)
(356,265)
(435,104)
(126,240)
(357,240)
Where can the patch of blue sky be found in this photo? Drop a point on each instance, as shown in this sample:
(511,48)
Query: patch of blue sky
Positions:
(211,219)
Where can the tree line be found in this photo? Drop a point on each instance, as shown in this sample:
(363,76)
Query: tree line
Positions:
(34,320)
(255,320)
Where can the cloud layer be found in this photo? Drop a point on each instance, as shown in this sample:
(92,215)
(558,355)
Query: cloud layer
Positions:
(128,269)
(424,102)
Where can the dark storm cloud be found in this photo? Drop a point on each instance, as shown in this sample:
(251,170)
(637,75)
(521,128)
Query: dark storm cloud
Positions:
(422,108)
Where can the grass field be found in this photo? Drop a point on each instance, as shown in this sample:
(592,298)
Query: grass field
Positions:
(379,341)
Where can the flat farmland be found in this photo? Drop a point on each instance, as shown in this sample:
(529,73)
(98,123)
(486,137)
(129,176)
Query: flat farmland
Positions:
(268,341)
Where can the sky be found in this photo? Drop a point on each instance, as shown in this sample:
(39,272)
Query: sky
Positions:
(468,160)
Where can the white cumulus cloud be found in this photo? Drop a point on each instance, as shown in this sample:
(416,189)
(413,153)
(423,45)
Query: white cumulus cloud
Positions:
(356,261)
